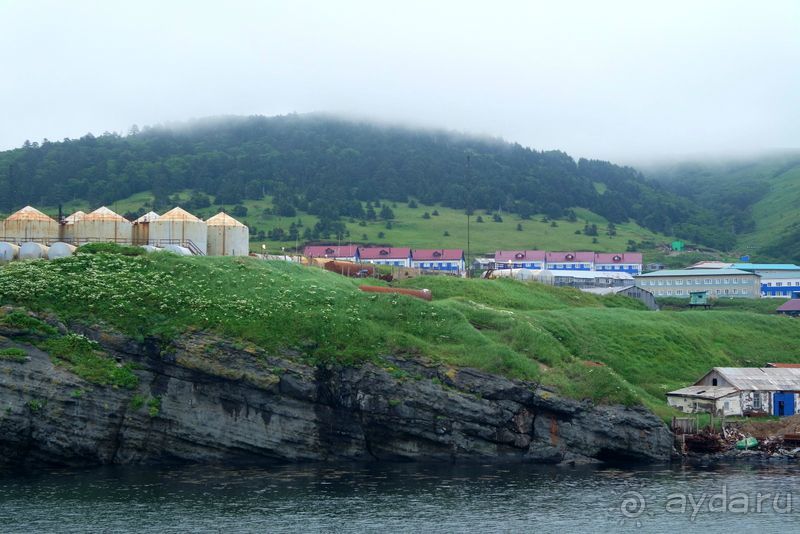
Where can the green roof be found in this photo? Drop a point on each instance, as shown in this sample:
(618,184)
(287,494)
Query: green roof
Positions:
(699,272)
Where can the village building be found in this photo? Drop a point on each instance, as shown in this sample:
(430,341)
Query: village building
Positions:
(444,260)
(718,283)
(29,224)
(588,279)
(333,252)
(778,280)
(791,308)
(519,259)
(633,292)
(393,256)
(742,391)
(574,261)
(629,262)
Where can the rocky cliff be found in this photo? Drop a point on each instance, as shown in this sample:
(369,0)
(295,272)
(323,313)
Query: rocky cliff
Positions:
(206,399)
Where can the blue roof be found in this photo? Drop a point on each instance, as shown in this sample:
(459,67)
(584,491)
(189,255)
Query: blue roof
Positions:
(765,266)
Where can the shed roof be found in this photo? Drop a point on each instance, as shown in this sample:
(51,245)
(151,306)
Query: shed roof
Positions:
(761,378)
(784,365)
(104,214)
(698,272)
(178,214)
(384,253)
(29,213)
(150,216)
(789,305)
(519,255)
(440,254)
(710,265)
(704,392)
(223,219)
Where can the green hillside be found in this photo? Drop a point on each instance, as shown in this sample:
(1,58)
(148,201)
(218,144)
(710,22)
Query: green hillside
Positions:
(756,197)
(520,330)
(330,168)
(409,228)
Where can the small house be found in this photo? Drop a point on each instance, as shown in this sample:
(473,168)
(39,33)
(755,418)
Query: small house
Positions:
(756,390)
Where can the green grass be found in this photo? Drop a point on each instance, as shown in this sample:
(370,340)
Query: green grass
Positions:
(83,357)
(410,229)
(764,306)
(13,355)
(520,330)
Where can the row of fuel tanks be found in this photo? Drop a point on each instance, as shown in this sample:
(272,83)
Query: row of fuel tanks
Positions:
(30,234)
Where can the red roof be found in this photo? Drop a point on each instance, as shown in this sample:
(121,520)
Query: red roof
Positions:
(567,257)
(439,254)
(331,251)
(618,257)
(519,255)
(790,305)
(384,253)
(784,365)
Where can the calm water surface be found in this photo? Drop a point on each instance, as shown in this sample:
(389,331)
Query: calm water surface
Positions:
(403,498)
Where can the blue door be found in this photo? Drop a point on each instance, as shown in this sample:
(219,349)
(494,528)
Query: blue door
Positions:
(782,404)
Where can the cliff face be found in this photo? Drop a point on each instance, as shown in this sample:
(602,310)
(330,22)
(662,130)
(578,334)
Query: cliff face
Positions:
(204,399)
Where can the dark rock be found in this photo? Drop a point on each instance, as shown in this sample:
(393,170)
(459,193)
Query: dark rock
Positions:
(219,403)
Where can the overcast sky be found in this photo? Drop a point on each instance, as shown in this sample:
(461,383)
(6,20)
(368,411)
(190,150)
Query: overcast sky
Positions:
(616,80)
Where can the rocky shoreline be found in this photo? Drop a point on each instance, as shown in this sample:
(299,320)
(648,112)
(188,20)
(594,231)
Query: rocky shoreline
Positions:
(206,399)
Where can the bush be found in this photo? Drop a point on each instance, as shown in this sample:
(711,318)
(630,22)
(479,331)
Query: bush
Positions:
(83,357)
(111,248)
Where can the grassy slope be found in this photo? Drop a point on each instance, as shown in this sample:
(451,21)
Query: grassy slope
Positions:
(507,327)
(775,212)
(410,229)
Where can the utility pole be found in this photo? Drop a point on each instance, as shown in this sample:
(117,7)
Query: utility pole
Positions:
(469,208)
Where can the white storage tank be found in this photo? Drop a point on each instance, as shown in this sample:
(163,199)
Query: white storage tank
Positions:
(9,251)
(68,227)
(29,224)
(227,236)
(177,249)
(60,250)
(141,228)
(33,251)
(103,226)
(179,227)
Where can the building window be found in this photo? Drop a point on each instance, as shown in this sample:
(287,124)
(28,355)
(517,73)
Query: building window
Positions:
(713,381)
(719,291)
(679,291)
(708,281)
(727,281)
(756,401)
(678,282)
(669,282)
(778,284)
(661,282)
(745,292)
(669,292)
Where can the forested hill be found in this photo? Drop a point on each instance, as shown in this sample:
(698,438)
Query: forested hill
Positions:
(326,166)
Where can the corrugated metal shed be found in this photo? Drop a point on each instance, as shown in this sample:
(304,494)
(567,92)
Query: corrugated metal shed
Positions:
(704,392)
(227,236)
(761,378)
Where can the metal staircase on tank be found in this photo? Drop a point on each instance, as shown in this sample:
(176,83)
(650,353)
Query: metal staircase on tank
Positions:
(193,248)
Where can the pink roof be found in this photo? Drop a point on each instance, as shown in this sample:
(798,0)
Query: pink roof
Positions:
(331,251)
(439,254)
(519,255)
(567,257)
(384,253)
(790,305)
(618,257)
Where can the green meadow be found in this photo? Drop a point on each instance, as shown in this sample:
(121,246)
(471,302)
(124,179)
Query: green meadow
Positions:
(608,349)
